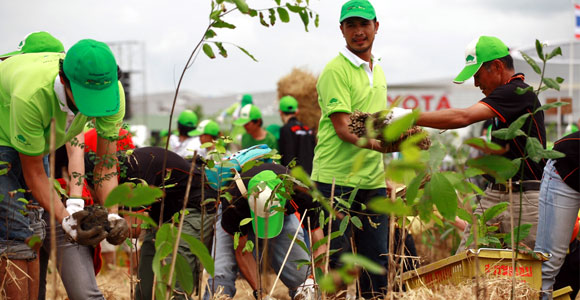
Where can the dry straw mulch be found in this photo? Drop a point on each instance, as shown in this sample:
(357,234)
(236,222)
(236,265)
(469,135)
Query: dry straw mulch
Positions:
(301,84)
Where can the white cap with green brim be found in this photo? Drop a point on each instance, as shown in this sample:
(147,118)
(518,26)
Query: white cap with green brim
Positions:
(480,50)
(209,127)
(248,113)
(267,210)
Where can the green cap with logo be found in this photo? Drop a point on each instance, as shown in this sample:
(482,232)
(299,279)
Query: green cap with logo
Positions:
(246,99)
(36,42)
(248,113)
(206,127)
(267,211)
(357,8)
(480,50)
(187,118)
(91,69)
(288,104)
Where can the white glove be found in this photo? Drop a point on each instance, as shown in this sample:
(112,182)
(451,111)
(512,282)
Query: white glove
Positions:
(74,204)
(397,113)
(307,290)
(67,225)
(113,217)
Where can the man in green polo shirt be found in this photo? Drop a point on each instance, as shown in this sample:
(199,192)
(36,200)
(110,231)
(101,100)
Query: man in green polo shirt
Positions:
(251,119)
(36,88)
(354,80)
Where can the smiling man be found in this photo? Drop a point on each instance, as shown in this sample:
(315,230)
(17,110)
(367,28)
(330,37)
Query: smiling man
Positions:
(487,59)
(351,81)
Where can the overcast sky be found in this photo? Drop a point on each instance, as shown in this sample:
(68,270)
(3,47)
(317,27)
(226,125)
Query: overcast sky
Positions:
(418,40)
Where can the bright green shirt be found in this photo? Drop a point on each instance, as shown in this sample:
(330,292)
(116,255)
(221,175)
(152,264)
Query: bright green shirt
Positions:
(30,96)
(270,140)
(345,86)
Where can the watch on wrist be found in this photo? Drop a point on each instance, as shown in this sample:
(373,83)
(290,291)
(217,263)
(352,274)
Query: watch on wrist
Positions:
(256,294)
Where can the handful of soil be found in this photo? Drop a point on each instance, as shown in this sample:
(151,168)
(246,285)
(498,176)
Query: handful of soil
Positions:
(98,216)
(380,121)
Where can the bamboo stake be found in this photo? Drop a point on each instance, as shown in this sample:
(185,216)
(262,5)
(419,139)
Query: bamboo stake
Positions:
(327,255)
(51,206)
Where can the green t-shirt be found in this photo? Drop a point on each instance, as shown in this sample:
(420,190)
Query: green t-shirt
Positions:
(29,101)
(270,140)
(344,86)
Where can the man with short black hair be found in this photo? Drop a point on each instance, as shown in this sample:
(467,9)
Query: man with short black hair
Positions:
(488,61)
(297,141)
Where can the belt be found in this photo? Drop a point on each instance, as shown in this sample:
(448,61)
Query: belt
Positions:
(526,186)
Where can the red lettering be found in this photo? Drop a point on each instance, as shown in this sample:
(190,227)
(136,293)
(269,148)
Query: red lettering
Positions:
(443,103)
(427,99)
(410,98)
(390,100)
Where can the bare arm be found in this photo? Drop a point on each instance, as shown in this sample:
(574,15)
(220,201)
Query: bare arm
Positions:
(317,235)
(40,185)
(105,172)
(455,117)
(340,123)
(76,166)
(247,263)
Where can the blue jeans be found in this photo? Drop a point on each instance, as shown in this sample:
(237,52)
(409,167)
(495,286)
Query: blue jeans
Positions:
(226,267)
(558,206)
(371,242)
(18,221)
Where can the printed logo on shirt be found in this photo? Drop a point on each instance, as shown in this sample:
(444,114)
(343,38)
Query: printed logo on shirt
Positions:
(333,102)
(22,140)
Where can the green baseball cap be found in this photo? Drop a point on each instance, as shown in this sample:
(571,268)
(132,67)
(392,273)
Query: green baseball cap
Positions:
(36,42)
(267,216)
(206,127)
(248,113)
(247,99)
(357,8)
(288,104)
(91,69)
(187,118)
(480,50)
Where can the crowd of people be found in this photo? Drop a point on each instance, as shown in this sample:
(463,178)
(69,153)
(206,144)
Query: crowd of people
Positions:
(40,83)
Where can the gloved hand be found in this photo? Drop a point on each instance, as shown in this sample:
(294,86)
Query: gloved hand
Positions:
(90,237)
(74,204)
(307,290)
(119,229)
(397,113)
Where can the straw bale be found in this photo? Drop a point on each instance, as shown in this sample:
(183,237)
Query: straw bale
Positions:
(301,84)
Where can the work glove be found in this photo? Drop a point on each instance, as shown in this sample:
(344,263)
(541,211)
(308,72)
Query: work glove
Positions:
(74,205)
(119,229)
(89,237)
(306,291)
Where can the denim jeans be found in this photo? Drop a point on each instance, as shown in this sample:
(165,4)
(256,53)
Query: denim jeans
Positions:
(18,221)
(558,208)
(226,267)
(371,242)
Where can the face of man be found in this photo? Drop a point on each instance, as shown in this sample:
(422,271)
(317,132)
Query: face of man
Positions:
(359,34)
(206,138)
(251,127)
(489,78)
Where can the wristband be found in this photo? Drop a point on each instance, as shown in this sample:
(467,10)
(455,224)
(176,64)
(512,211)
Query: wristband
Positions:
(256,294)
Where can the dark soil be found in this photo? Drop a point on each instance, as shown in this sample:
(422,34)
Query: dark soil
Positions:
(98,217)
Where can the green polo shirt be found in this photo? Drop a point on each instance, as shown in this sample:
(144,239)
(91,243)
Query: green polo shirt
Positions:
(345,86)
(29,101)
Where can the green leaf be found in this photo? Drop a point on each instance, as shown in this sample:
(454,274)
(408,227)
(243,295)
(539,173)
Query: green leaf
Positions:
(294,8)
(517,124)
(413,188)
(245,221)
(33,241)
(316,21)
(299,243)
(556,51)
(184,274)
(283,13)
(531,62)
(242,6)
(499,167)
(118,194)
(248,54)
(356,222)
(521,91)
(436,154)
(343,225)
(472,172)
(359,260)
(540,50)
(277,2)
(551,105)
(396,128)
(482,143)
(524,231)
(534,149)
(504,134)
(252,12)
(215,15)
(208,51)
(552,154)
(146,219)
(444,196)
(236,240)
(551,83)
(559,79)
(143,195)
(397,169)
(385,206)
(272,16)
(210,34)
(464,215)
(494,211)
(224,54)
(262,21)
(305,19)
(222,24)
(198,249)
